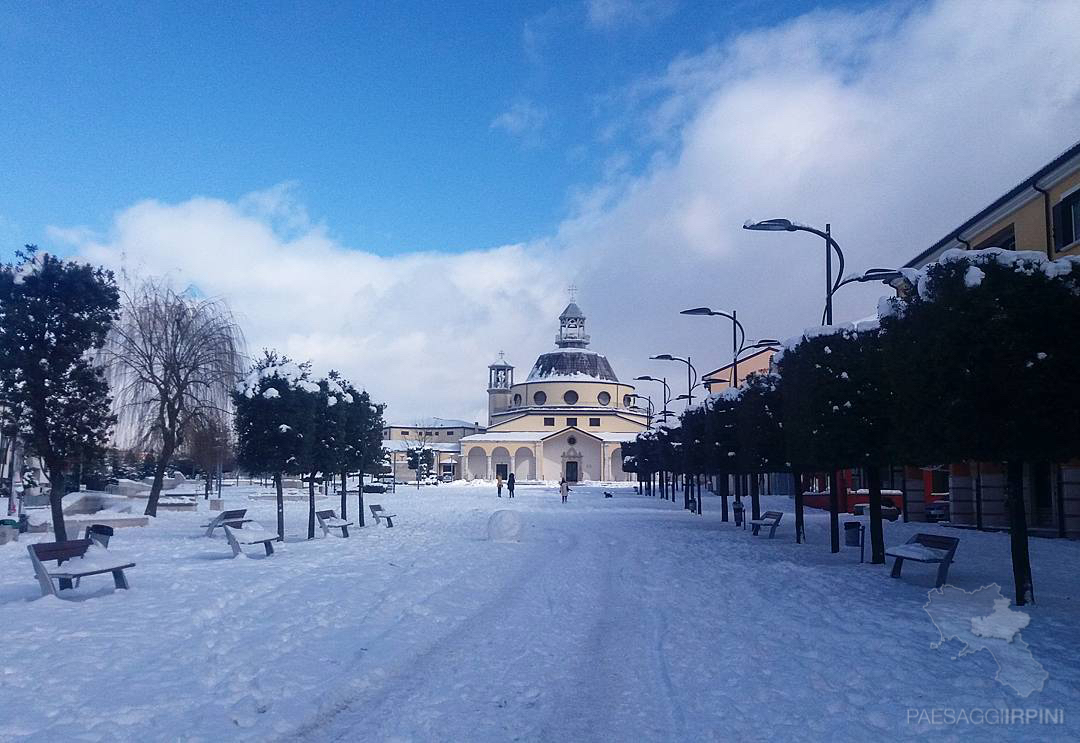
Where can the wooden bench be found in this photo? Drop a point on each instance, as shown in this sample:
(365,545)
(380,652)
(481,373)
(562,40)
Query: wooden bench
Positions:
(78,564)
(378,512)
(929,548)
(770,519)
(329,520)
(226,518)
(238,537)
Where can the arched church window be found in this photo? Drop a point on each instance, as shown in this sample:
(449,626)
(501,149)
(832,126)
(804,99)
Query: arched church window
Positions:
(603,398)
(540,398)
(517,400)
(570,397)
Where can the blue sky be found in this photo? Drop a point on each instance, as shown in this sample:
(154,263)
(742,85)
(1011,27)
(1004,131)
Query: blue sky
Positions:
(402,126)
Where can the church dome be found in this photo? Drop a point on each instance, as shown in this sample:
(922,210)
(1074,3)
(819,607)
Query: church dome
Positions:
(566,364)
(572,360)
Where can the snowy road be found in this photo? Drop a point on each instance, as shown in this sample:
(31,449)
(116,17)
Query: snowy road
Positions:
(618,619)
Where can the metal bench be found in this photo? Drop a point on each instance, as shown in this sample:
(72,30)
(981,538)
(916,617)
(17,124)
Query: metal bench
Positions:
(73,564)
(929,548)
(226,518)
(238,537)
(770,519)
(378,512)
(329,520)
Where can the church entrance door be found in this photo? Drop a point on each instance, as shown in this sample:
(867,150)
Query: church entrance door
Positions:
(502,470)
(571,471)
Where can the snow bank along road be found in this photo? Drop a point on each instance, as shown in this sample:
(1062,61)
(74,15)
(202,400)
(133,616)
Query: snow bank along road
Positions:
(622,619)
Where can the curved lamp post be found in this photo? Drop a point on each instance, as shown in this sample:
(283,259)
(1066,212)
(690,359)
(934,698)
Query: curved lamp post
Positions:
(691,372)
(786,225)
(667,393)
(738,336)
(649,409)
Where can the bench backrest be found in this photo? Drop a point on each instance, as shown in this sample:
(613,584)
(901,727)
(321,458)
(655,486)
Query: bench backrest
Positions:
(936,541)
(238,513)
(773,514)
(325,514)
(61,550)
(375,508)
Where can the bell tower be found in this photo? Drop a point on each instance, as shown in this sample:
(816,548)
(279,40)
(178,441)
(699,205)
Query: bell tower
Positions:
(500,380)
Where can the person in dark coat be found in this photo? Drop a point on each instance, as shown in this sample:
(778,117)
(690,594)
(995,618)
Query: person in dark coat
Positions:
(510,486)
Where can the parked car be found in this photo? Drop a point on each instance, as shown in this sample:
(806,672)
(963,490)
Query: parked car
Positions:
(447,478)
(938,510)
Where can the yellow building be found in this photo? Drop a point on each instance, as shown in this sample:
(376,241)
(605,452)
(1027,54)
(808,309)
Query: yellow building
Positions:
(756,363)
(569,418)
(1041,213)
(440,435)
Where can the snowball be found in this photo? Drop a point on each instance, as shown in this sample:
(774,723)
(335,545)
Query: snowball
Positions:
(973,277)
(504,526)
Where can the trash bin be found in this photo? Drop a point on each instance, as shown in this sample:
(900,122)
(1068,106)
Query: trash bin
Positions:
(738,510)
(851,533)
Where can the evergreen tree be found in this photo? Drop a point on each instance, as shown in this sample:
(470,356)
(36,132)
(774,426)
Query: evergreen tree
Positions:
(984,358)
(54,315)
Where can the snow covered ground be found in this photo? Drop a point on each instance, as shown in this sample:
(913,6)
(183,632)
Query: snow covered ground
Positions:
(619,619)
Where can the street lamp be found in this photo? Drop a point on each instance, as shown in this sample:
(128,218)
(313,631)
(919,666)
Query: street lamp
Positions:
(667,390)
(648,410)
(738,335)
(786,225)
(691,372)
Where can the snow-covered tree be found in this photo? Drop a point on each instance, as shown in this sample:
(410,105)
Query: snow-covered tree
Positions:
(174,360)
(54,316)
(274,421)
(985,358)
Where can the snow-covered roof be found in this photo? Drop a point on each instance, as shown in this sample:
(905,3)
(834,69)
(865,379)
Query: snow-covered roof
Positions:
(398,445)
(434,423)
(577,363)
(533,436)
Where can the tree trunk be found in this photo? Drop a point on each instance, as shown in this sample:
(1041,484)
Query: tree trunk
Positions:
(56,498)
(698,481)
(686,492)
(280,507)
(206,488)
(311,508)
(168,446)
(834,511)
(755,496)
(725,491)
(344,491)
(877,537)
(800,535)
(360,499)
(1018,535)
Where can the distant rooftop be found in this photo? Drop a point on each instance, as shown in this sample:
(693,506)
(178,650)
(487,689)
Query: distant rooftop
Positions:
(434,423)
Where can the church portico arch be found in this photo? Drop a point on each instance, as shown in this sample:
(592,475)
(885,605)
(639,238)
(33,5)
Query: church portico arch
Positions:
(524,464)
(477,463)
(500,462)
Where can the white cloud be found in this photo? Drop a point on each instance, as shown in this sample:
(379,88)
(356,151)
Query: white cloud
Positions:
(523,119)
(609,14)
(893,125)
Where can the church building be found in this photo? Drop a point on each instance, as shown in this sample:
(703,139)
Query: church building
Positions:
(569,418)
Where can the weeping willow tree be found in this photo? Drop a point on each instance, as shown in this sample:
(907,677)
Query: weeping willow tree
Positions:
(173,360)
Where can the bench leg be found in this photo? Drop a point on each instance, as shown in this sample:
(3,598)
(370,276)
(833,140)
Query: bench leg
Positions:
(942,574)
(896,567)
(772,531)
(269,548)
(389,521)
(344,532)
(119,579)
(754,530)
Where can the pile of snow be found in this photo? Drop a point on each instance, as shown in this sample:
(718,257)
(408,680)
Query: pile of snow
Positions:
(504,526)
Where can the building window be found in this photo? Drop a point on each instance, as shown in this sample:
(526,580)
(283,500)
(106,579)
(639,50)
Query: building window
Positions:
(571,421)
(594,421)
(549,421)
(571,441)
(404,433)
(627,401)
(517,401)
(1004,239)
(1066,217)
(570,397)
(540,398)
(603,398)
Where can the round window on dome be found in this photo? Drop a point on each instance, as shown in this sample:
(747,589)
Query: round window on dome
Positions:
(517,401)
(570,397)
(627,401)
(603,398)
(540,398)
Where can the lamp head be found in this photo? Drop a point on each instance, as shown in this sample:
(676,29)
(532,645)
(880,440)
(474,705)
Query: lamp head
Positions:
(698,311)
(662,357)
(770,225)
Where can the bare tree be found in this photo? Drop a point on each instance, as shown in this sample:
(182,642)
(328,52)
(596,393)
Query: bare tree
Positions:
(174,360)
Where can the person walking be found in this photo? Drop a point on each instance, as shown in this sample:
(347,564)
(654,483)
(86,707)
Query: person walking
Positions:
(498,484)
(564,489)
(510,486)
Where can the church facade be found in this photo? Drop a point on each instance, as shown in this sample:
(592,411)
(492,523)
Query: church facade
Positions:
(569,418)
